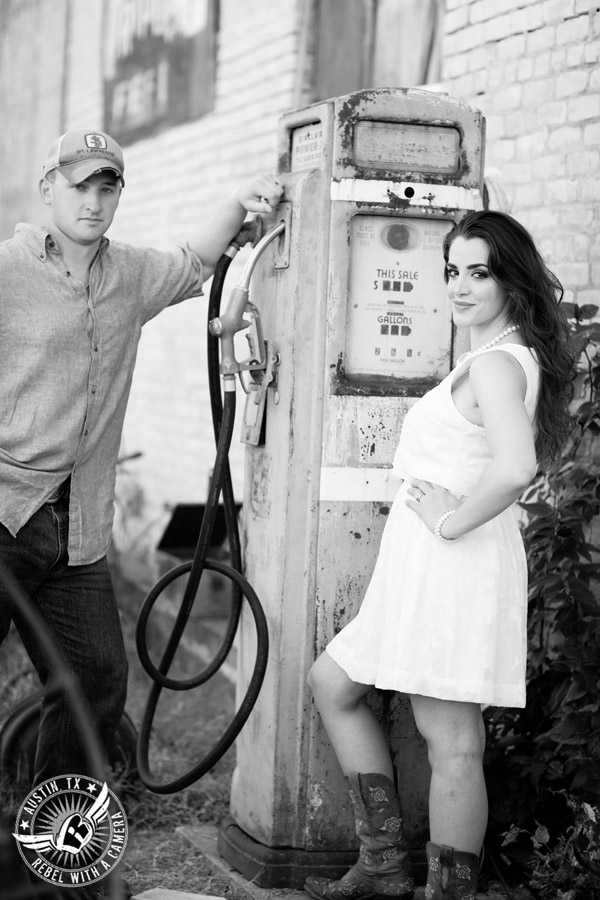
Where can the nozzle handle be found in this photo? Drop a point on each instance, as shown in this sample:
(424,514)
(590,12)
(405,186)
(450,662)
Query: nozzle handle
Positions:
(228,325)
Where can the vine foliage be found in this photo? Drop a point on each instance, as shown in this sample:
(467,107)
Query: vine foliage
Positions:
(543,762)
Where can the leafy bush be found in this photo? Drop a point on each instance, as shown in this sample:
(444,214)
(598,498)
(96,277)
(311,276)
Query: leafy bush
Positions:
(550,751)
(571,867)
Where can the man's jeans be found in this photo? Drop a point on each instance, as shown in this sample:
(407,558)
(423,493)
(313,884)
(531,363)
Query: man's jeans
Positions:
(79,606)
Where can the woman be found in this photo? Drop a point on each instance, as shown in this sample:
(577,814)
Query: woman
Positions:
(444,617)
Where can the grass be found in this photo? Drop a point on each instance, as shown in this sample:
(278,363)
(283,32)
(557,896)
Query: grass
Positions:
(187,725)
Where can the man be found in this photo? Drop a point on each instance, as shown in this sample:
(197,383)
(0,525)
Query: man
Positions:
(72,308)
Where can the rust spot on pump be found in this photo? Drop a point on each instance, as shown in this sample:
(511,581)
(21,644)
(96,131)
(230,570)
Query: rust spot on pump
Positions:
(397,202)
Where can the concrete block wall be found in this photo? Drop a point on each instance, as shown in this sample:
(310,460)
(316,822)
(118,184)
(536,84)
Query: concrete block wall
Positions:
(533,68)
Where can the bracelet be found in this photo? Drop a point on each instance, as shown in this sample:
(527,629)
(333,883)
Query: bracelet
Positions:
(438,527)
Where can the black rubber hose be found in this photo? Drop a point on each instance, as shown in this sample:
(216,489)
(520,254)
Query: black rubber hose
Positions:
(195,569)
(221,478)
(223,422)
(216,405)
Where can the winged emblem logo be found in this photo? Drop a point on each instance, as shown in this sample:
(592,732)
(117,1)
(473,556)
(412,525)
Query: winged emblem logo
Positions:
(75,832)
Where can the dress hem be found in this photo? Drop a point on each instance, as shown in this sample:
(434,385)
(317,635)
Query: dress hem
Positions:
(505,696)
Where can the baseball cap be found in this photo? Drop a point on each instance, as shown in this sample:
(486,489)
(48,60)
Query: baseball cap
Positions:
(78,154)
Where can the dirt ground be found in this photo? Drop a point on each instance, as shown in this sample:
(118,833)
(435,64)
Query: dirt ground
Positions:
(187,725)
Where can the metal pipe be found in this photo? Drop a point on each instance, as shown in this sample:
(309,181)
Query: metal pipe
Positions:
(244,281)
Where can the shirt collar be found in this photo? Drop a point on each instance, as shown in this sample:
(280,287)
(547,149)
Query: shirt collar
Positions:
(41,242)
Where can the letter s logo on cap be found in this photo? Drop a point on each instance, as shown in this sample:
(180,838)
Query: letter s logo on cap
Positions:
(95,142)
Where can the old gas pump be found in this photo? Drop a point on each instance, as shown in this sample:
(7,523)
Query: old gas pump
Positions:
(351,296)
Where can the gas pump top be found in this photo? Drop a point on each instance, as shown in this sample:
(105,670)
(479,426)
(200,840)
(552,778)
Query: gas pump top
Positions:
(405,136)
(399,167)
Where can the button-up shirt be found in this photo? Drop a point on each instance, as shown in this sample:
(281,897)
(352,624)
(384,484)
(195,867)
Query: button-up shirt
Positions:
(66,363)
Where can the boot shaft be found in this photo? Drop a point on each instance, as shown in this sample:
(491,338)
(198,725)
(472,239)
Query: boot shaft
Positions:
(451,874)
(377,810)
(383,869)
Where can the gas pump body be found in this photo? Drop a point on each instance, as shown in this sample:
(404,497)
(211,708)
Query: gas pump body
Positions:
(352,298)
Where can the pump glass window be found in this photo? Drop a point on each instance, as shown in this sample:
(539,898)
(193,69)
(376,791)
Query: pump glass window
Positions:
(406,147)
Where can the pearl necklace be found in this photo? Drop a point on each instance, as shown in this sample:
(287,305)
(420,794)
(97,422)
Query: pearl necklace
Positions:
(491,343)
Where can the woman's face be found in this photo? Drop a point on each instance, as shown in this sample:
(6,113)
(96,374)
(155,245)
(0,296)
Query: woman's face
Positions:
(477,300)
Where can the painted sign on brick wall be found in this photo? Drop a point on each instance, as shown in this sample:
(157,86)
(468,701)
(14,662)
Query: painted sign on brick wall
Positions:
(159,64)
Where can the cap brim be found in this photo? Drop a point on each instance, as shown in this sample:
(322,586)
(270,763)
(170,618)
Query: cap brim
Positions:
(79,171)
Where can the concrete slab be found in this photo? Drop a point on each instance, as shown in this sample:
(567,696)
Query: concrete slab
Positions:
(204,838)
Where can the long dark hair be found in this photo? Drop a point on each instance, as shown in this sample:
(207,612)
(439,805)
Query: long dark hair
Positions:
(533,297)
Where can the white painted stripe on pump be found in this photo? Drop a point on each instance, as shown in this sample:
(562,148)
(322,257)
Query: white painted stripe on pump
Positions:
(430,196)
(357,484)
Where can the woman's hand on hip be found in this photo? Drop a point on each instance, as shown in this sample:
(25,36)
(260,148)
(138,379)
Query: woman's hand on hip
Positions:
(430,501)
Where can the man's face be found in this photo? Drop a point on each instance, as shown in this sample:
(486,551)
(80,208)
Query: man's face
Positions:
(83,212)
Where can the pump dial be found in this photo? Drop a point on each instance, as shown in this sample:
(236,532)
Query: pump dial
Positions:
(400,236)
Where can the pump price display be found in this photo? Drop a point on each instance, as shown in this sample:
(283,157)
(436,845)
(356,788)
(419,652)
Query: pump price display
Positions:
(399,319)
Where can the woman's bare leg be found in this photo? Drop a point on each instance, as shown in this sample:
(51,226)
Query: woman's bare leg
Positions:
(455,736)
(355,734)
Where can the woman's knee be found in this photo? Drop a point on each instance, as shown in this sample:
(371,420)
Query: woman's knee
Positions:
(331,686)
(453,732)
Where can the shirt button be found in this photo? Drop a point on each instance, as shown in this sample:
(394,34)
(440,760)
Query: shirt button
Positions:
(96,348)
(93,390)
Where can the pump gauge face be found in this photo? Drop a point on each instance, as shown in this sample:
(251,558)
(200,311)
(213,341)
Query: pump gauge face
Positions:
(399,325)
(400,237)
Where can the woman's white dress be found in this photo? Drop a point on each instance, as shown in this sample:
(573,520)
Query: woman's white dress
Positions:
(446,620)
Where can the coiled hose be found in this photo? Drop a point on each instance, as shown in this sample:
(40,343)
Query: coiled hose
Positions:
(223,414)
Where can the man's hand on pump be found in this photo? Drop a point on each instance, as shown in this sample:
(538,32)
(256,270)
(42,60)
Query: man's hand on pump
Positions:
(260,194)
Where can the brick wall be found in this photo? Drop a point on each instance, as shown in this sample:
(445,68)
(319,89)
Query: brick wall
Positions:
(173,180)
(532,67)
(33,39)
(51,81)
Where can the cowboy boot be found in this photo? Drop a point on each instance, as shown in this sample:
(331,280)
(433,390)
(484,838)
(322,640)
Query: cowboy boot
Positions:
(383,868)
(451,874)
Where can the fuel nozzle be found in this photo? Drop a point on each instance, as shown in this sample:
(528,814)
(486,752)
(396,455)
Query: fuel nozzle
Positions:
(233,319)
(228,325)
